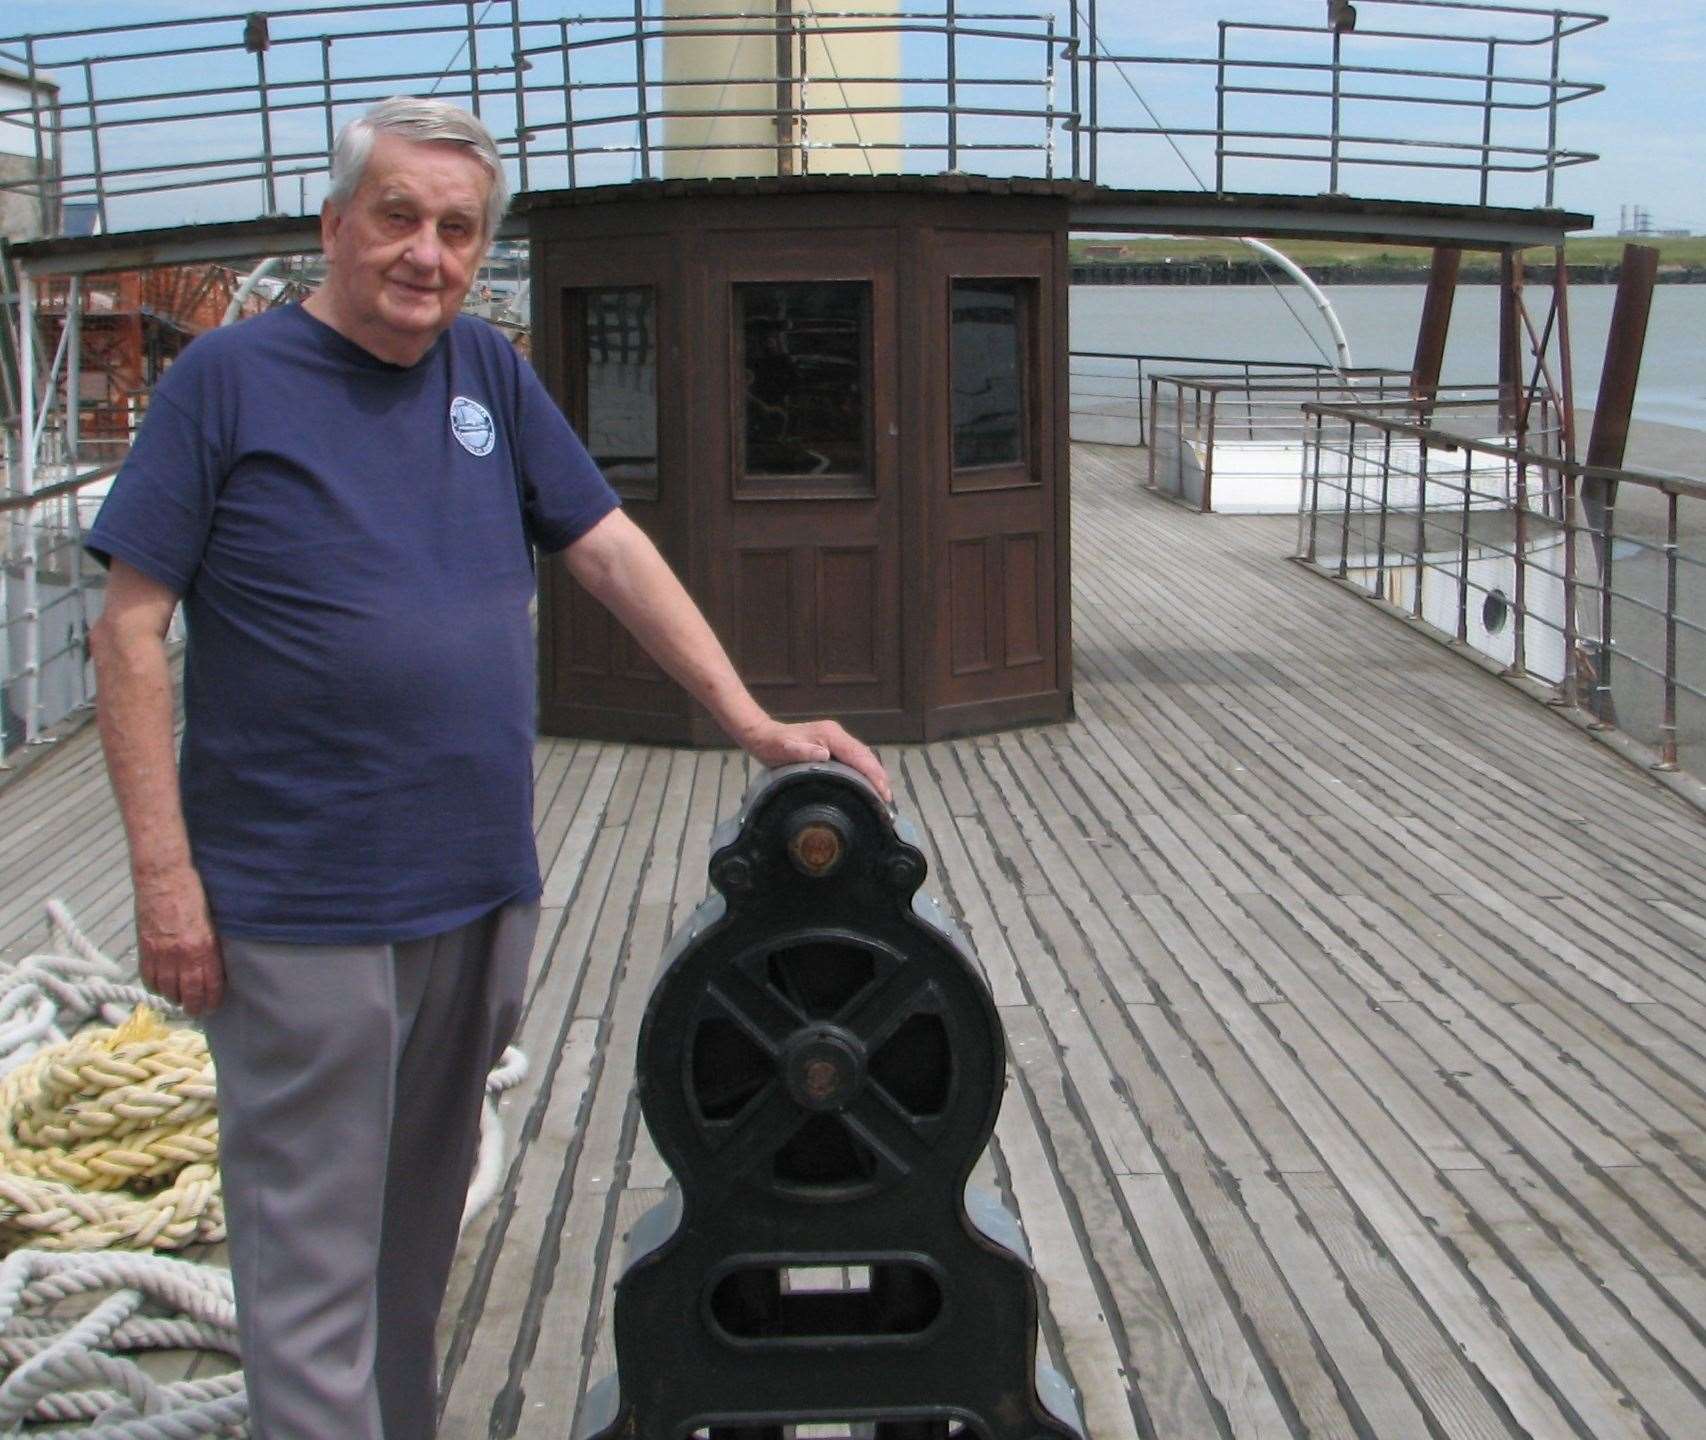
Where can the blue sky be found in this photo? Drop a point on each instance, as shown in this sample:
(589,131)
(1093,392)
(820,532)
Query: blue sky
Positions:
(1646,126)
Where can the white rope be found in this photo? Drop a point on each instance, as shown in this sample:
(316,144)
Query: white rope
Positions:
(68,1320)
(66,1359)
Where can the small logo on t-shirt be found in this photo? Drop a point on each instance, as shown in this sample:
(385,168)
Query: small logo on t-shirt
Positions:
(471,424)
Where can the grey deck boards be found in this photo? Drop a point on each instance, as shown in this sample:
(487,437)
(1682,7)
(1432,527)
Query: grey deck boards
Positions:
(1356,1007)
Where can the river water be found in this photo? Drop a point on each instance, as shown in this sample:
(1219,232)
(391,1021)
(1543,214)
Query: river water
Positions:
(1380,323)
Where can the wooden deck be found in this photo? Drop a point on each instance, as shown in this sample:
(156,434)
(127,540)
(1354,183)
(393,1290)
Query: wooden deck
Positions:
(1356,1006)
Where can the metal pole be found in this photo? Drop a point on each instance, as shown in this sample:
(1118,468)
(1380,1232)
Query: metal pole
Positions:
(95,144)
(1208,456)
(1073,78)
(1143,433)
(1421,526)
(266,136)
(73,370)
(326,88)
(520,91)
(1668,758)
(953,89)
(474,61)
(47,225)
(1220,115)
(1345,513)
(1570,694)
(1604,709)
(1566,374)
(31,669)
(1487,120)
(640,86)
(1552,107)
(73,444)
(1463,554)
(1333,153)
(568,102)
(1095,67)
(802,99)
(1315,494)
(1048,132)
(1385,501)
(1519,637)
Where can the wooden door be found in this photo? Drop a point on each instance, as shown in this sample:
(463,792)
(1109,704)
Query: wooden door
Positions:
(996,506)
(607,345)
(804,520)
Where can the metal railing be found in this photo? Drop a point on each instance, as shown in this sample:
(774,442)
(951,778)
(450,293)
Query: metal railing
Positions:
(244,105)
(1590,579)
(1113,384)
(50,594)
(1246,430)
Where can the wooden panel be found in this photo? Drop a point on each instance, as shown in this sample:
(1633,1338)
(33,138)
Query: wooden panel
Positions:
(847,612)
(1021,593)
(764,617)
(968,606)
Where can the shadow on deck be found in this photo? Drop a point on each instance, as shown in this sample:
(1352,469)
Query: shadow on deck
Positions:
(1356,1010)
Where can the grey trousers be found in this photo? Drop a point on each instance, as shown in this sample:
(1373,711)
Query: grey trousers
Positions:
(350,1083)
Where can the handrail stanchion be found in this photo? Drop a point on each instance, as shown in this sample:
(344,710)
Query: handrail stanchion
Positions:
(568,102)
(94,146)
(1154,401)
(640,84)
(1487,119)
(1571,695)
(1345,516)
(1463,551)
(1667,729)
(1421,525)
(27,484)
(521,65)
(1315,491)
(326,91)
(1385,504)
(953,87)
(1208,456)
(1519,635)
(1220,115)
(1603,707)
(473,60)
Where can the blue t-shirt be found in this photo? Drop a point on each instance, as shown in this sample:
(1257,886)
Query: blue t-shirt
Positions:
(351,541)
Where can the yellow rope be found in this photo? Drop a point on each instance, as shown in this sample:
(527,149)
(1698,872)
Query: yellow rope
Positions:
(111,1141)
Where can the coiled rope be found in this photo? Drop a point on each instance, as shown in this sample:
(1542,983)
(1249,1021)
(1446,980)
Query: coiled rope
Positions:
(68,1323)
(109,1142)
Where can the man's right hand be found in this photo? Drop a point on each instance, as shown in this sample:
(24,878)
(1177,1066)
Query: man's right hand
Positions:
(178,950)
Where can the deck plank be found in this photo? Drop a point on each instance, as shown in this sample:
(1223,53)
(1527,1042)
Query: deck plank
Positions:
(1356,1011)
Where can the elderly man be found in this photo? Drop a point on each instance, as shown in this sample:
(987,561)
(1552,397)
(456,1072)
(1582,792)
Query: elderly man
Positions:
(346,496)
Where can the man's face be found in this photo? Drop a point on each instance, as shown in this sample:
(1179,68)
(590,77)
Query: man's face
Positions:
(404,249)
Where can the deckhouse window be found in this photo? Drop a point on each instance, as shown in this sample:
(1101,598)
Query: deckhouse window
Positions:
(990,376)
(613,342)
(803,367)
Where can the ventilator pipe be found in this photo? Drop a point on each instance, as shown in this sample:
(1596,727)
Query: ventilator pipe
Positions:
(247,287)
(1322,303)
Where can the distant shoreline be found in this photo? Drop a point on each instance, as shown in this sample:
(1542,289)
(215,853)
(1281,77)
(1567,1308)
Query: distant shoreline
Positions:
(1242,272)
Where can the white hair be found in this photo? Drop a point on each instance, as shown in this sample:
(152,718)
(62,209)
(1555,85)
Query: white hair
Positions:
(421,120)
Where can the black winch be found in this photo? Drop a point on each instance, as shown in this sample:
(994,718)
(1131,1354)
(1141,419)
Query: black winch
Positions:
(820,1065)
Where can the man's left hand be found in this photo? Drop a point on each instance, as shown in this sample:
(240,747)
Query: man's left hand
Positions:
(779,744)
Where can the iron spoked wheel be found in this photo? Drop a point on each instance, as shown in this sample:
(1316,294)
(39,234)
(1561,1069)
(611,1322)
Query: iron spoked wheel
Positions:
(821,1067)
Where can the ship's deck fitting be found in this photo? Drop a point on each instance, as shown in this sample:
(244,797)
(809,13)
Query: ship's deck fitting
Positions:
(1356,1007)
